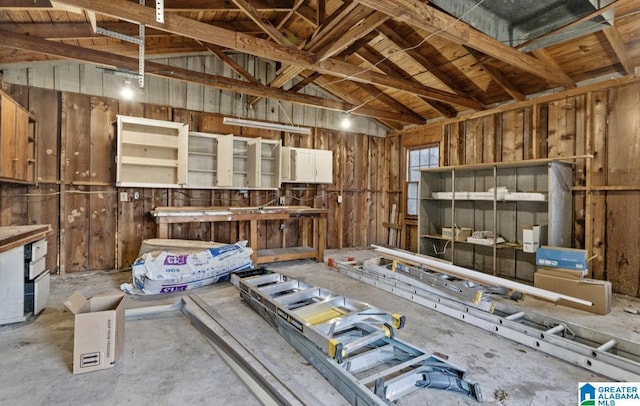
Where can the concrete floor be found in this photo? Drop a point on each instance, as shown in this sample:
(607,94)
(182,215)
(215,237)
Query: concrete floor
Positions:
(167,362)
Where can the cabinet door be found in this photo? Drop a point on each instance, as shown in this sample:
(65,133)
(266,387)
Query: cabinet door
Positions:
(303,164)
(253,163)
(7,137)
(22,143)
(12,285)
(270,164)
(323,166)
(285,164)
(225,160)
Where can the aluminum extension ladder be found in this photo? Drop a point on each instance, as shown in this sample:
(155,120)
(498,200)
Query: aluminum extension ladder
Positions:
(470,293)
(351,343)
(596,351)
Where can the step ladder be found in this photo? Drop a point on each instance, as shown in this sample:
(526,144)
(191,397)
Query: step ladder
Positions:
(600,352)
(351,343)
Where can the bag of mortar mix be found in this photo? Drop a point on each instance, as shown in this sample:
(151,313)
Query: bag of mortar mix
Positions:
(165,272)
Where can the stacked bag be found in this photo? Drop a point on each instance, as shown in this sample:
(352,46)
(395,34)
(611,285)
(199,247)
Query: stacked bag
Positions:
(161,272)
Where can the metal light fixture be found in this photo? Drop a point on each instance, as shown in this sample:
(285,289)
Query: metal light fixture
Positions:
(127,92)
(346,121)
(266,125)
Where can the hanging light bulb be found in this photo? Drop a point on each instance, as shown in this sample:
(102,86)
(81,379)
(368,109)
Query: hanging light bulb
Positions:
(346,121)
(127,91)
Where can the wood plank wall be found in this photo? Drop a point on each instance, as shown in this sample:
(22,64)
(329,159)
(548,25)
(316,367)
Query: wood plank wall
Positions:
(603,122)
(94,230)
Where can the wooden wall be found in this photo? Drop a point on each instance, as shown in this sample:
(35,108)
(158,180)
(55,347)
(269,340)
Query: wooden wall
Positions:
(602,121)
(94,230)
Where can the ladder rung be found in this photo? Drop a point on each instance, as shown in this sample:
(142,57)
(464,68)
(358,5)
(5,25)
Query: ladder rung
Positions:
(372,378)
(556,329)
(278,288)
(365,340)
(516,316)
(608,345)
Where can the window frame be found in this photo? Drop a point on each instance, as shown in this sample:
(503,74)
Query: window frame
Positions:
(408,165)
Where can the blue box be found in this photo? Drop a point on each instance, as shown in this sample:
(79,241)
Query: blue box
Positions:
(557,257)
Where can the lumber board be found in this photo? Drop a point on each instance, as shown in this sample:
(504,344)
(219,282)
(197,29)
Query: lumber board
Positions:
(480,277)
(7,136)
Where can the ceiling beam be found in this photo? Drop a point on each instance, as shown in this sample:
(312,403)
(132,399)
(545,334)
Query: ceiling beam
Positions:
(617,44)
(83,30)
(204,32)
(38,45)
(384,64)
(264,24)
(497,76)
(417,14)
(544,56)
(417,56)
(169,5)
(217,51)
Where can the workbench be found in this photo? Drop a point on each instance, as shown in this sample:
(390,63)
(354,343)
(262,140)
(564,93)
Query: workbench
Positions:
(24,281)
(171,215)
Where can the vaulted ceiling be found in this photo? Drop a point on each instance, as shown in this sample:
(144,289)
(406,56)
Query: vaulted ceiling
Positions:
(400,62)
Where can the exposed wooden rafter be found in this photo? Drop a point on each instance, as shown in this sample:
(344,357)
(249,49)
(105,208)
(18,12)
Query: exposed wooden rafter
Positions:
(617,44)
(374,58)
(194,29)
(544,56)
(264,24)
(424,17)
(169,5)
(24,42)
(497,76)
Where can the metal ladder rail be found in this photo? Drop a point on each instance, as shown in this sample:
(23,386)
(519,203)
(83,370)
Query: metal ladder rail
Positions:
(430,282)
(374,367)
(328,320)
(591,350)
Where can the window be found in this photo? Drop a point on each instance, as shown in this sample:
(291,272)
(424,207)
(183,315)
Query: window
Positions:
(419,158)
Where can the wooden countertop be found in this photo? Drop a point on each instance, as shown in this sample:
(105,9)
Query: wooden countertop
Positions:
(14,236)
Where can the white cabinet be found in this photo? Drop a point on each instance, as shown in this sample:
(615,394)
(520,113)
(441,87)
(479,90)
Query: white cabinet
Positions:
(24,281)
(151,153)
(12,286)
(303,165)
(225,161)
(269,158)
(155,153)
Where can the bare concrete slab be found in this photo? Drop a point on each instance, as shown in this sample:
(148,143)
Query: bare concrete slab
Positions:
(166,360)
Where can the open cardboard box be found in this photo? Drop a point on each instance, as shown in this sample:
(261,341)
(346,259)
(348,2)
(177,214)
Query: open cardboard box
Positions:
(98,336)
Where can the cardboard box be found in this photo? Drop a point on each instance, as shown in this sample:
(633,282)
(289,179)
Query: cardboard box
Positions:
(557,257)
(596,291)
(562,272)
(98,337)
(530,238)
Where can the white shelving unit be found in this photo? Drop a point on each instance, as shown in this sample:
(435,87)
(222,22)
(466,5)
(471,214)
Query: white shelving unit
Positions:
(303,165)
(471,196)
(269,164)
(151,153)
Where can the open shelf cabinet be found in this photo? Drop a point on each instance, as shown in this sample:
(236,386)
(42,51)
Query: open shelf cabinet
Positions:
(151,153)
(500,198)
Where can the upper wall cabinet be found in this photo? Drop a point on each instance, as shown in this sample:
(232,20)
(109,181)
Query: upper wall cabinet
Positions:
(155,153)
(303,165)
(151,153)
(225,161)
(17,142)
